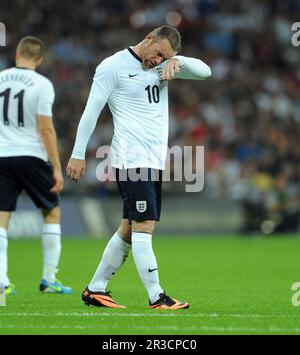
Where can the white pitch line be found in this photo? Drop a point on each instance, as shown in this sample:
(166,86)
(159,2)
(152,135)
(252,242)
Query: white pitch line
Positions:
(271,329)
(13,326)
(176,315)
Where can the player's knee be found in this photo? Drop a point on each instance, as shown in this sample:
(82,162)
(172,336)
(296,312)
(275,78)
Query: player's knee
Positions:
(143,226)
(52,216)
(125,230)
(4,219)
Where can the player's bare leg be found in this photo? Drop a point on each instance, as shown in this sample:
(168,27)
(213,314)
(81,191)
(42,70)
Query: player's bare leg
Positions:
(125,230)
(51,216)
(51,242)
(146,264)
(113,257)
(4,279)
(4,219)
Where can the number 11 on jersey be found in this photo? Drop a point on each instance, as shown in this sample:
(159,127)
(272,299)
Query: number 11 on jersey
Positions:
(19,96)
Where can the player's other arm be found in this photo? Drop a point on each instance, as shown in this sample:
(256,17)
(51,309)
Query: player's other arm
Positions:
(49,138)
(180,67)
(47,132)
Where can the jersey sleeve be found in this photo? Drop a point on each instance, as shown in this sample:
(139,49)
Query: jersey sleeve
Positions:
(46,99)
(105,80)
(192,68)
(87,126)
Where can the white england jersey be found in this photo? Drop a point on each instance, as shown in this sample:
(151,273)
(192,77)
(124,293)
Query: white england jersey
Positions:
(138,100)
(24,94)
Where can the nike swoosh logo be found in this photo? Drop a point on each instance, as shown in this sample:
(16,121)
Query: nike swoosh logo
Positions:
(150,270)
(55,288)
(132,75)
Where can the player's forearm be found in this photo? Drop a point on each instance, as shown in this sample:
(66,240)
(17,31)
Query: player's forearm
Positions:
(192,68)
(49,139)
(86,126)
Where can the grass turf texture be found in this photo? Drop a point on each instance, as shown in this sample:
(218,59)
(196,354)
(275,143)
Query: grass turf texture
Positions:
(234,285)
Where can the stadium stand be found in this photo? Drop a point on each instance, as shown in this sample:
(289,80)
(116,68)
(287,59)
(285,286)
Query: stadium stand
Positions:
(247,116)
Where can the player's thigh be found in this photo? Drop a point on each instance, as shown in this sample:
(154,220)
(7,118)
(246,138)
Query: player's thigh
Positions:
(35,176)
(9,187)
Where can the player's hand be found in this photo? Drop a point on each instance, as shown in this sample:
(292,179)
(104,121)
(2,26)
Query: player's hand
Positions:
(172,67)
(59,181)
(76,169)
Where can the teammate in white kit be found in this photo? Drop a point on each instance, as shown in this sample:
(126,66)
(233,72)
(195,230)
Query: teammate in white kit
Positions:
(134,83)
(27,141)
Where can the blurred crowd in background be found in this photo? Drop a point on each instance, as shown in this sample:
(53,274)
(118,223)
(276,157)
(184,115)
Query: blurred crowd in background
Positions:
(247,115)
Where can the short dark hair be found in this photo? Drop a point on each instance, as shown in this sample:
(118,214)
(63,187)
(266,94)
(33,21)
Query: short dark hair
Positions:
(171,34)
(31,47)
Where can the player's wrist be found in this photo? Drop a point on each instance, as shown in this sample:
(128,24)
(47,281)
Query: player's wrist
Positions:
(179,59)
(78,156)
(57,167)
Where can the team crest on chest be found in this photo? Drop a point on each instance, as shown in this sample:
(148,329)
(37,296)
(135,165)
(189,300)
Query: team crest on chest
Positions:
(141,206)
(159,72)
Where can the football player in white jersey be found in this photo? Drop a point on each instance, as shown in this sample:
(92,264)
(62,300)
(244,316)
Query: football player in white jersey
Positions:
(134,83)
(27,141)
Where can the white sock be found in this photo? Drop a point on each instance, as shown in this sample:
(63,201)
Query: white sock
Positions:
(145,262)
(3,257)
(113,258)
(51,241)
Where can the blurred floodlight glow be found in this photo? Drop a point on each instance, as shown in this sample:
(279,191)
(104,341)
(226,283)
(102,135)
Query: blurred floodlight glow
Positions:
(173,18)
(138,19)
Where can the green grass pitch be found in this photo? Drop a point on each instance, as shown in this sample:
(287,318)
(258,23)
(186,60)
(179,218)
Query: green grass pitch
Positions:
(235,285)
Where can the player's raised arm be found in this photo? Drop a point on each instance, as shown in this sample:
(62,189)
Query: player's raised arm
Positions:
(104,81)
(180,67)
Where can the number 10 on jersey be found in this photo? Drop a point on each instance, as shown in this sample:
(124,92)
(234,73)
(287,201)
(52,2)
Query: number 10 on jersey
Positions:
(153,95)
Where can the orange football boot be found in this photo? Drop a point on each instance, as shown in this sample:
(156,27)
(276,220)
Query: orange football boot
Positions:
(166,302)
(99,299)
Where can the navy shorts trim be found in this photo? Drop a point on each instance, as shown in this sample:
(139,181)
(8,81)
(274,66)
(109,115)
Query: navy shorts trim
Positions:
(30,174)
(141,199)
